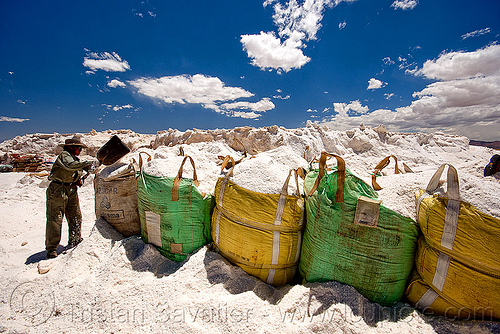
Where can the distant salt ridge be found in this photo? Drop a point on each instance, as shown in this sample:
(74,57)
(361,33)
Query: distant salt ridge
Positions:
(273,151)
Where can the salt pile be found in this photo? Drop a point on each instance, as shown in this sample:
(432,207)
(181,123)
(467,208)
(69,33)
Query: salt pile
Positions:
(114,284)
(114,170)
(266,172)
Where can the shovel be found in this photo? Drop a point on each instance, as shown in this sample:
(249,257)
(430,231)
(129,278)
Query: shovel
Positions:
(110,153)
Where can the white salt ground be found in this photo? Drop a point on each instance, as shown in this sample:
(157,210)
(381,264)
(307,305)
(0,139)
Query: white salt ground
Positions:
(113,284)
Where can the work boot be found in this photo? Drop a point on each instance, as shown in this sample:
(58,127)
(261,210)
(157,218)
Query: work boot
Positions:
(51,254)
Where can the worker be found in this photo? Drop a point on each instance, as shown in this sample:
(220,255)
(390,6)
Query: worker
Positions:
(493,167)
(62,196)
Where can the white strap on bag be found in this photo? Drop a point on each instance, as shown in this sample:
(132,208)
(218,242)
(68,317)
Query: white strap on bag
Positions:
(453,207)
(277,221)
(450,221)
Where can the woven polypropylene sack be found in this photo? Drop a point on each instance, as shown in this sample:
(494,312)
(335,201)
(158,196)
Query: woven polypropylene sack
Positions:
(176,227)
(116,201)
(376,260)
(457,257)
(261,233)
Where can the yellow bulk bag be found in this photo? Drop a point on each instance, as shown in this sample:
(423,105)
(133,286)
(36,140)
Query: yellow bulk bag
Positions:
(420,291)
(457,256)
(261,233)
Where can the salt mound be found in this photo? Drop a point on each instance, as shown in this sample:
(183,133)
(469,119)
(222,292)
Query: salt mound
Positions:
(114,170)
(166,162)
(266,172)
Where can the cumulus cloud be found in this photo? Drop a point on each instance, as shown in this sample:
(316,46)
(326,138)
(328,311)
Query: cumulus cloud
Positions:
(374,84)
(342,25)
(106,61)
(463,65)
(463,99)
(404,4)
(13,119)
(116,83)
(209,92)
(476,33)
(268,52)
(297,23)
(355,107)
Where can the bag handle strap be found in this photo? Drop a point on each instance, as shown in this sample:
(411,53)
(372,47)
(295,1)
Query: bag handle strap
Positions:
(228,162)
(453,189)
(284,189)
(177,179)
(339,196)
(381,165)
(140,159)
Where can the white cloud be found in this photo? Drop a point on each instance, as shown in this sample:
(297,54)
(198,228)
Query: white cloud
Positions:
(267,51)
(12,119)
(388,61)
(375,84)
(109,62)
(297,23)
(404,4)
(388,95)
(116,83)
(241,114)
(117,107)
(344,109)
(127,106)
(209,92)
(476,33)
(342,25)
(21,101)
(268,2)
(262,106)
(463,100)
(463,65)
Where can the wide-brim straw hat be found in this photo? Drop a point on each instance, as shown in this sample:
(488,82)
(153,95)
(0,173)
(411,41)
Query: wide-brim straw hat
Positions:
(75,141)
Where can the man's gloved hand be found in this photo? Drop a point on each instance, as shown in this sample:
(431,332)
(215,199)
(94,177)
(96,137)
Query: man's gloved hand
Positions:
(90,166)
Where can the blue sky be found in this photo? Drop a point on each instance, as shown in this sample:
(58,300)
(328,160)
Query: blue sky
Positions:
(73,66)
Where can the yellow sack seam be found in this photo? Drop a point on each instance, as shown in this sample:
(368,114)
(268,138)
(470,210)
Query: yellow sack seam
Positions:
(254,265)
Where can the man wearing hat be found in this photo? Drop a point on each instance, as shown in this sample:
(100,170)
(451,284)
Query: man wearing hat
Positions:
(62,196)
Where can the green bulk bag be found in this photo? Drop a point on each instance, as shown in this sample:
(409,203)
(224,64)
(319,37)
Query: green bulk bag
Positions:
(174,214)
(346,240)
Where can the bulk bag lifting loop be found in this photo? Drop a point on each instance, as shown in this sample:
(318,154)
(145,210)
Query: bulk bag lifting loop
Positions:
(339,196)
(381,165)
(453,206)
(177,180)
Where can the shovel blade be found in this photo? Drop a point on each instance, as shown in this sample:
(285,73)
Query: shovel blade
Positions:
(112,151)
